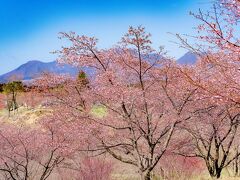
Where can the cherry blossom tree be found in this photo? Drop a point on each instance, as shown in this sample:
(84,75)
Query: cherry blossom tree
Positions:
(134,85)
(95,169)
(31,98)
(28,153)
(84,166)
(217,75)
(214,127)
(217,29)
(2,105)
(174,166)
(213,135)
(218,45)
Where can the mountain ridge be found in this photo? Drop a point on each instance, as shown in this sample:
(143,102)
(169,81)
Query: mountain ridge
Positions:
(188,58)
(34,68)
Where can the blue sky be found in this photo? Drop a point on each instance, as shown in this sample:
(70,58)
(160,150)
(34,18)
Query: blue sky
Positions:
(29,28)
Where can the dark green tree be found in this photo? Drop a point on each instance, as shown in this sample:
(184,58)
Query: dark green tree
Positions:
(12,89)
(1,88)
(82,78)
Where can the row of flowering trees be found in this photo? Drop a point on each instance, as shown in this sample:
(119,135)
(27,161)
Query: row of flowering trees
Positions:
(36,153)
(153,110)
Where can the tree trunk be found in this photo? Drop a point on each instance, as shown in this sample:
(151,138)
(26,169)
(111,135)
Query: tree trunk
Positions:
(146,175)
(215,174)
(162,173)
(236,165)
(218,173)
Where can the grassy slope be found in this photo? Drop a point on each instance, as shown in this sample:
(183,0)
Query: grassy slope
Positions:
(23,116)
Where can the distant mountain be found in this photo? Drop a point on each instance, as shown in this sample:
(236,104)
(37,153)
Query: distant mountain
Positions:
(188,58)
(35,68)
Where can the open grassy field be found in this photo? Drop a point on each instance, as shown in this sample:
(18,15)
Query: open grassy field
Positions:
(23,116)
